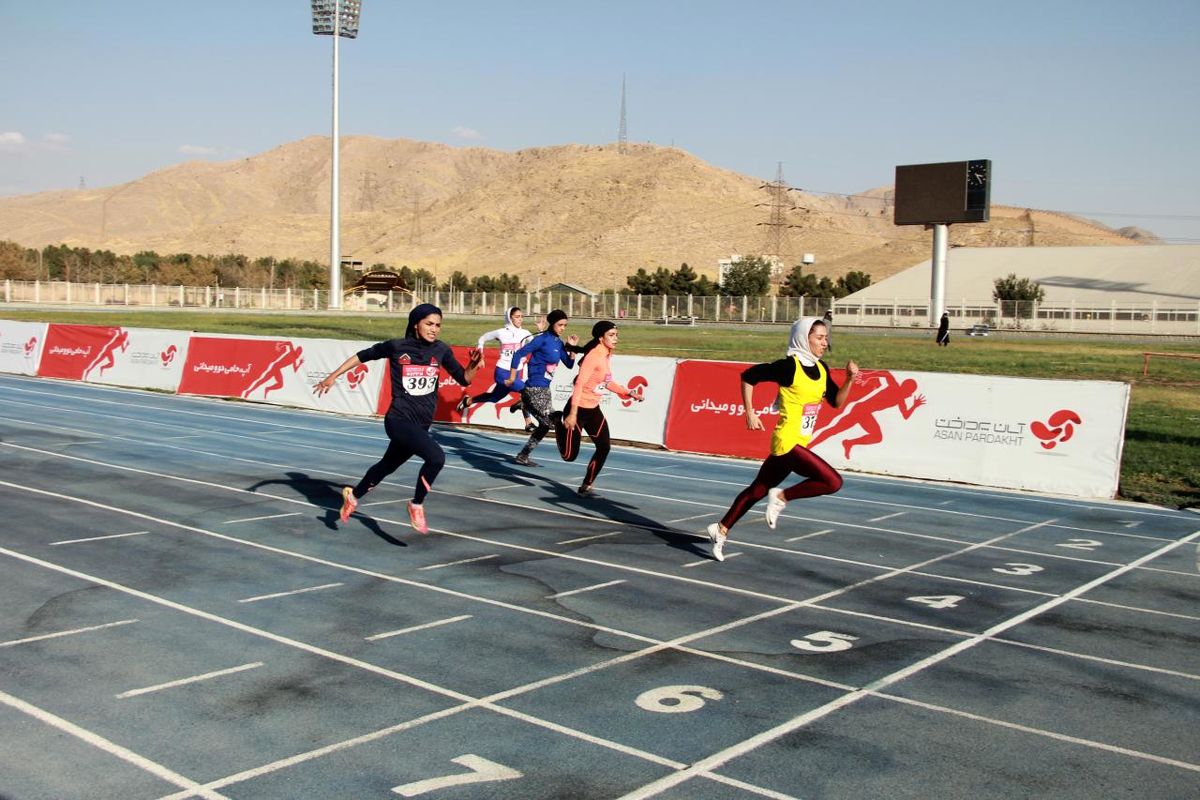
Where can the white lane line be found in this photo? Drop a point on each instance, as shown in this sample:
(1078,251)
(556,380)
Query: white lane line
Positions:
(402,631)
(1062,737)
(945,502)
(887,516)
(809,535)
(689,519)
(287,594)
(1137,608)
(456,563)
(71,632)
(502,487)
(99,538)
(112,748)
(584,589)
(1133,524)
(589,538)
(186,436)
(256,519)
(704,561)
(722,757)
(185,681)
(1100,659)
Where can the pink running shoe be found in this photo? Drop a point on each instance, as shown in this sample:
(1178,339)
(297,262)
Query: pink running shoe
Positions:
(416,515)
(349,503)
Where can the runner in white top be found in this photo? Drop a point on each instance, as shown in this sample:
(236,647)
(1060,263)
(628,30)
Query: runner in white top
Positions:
(511,337)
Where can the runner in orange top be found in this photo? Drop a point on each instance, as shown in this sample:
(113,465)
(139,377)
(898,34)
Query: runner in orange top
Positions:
(803,383)
(592,383)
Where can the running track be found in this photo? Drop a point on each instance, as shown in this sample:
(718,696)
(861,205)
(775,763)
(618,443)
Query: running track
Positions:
(183,616)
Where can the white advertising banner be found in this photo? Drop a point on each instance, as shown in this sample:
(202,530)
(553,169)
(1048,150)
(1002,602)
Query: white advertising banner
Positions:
(282,372)
(144,358)
(629,419)
(1063,437)
(21,346)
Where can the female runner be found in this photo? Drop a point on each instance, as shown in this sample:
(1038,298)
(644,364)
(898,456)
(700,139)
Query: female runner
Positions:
(803,382)
(415,362)
(545,352)
(511,337)
(583,409)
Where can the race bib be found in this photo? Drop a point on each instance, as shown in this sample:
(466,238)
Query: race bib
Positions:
(550,370)
(418,379)
(808,422)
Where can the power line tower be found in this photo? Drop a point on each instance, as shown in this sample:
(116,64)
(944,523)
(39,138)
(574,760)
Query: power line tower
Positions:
(622,134)
(414,228)
(776,243)
(82,183)
(368,191)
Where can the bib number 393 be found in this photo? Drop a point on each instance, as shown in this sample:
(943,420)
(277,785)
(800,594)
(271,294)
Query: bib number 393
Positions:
(418,379)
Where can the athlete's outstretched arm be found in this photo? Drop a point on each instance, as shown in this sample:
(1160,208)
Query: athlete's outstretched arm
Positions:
(844,390)
(325,385)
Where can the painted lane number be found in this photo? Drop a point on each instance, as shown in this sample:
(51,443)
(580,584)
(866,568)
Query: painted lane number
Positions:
(825,642)
(481,771)
(1080,544)
(938,600)
(676,699)
(1018,569)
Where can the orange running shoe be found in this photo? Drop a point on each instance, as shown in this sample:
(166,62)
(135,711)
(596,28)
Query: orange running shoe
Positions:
(416,515)
(349,503)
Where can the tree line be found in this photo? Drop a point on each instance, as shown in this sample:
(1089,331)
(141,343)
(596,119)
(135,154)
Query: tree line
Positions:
(750,276)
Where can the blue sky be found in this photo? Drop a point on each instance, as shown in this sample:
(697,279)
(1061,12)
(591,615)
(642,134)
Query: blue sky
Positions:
(1085,106)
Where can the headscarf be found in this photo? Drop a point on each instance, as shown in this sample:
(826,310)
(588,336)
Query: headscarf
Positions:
(554,316)
(598,330)
(416,315)
(508,315)
(798,345)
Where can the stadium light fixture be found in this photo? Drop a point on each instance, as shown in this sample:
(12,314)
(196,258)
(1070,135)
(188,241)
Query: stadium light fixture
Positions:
(335,19)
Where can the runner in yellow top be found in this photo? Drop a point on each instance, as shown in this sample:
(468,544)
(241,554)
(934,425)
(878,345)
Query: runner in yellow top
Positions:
(803,383)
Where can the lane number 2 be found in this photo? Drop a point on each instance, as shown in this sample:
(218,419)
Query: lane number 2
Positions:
(1080,544)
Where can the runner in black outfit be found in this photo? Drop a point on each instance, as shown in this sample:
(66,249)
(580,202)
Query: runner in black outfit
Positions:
(415,363)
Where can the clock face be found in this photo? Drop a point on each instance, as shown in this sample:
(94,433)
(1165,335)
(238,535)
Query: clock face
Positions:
(976,174)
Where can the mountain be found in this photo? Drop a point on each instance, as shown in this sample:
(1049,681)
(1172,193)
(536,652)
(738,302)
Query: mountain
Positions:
(588,215)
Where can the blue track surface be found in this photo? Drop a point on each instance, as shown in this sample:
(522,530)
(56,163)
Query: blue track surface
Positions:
(184,616)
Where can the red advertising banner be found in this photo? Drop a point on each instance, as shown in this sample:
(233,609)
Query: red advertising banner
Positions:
(706,413)
(75,351)
(222,367)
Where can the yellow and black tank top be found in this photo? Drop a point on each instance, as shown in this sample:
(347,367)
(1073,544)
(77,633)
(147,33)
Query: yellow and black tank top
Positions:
(801,389)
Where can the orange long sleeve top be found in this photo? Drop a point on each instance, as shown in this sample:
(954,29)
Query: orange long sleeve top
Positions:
(595,376)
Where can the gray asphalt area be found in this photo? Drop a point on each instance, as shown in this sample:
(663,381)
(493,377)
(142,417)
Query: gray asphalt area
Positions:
(183,615)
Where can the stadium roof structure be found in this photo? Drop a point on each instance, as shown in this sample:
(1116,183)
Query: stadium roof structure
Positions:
(1091,275)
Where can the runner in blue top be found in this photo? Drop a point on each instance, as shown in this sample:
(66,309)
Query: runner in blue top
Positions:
(545,352)
(415,362)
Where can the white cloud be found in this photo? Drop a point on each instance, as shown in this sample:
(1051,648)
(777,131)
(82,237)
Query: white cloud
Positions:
(12,140)
(465,133)
(197,150)
(56,138)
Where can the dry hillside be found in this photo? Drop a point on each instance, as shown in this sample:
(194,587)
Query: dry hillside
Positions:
(587,215)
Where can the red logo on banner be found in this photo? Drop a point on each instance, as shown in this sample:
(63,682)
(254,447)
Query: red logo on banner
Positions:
(168,355)
(270,377)
(30,346)
(106,357)
(635,383)
(879,392)
(356,376)
(1056,430)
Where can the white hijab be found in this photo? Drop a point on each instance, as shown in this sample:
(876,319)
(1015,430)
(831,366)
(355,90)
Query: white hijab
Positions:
(508,320)
(798,345)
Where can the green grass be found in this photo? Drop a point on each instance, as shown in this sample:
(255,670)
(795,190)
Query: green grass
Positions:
(1161,462)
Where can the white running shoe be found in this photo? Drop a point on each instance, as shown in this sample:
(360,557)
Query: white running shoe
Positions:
(718,541)
(775,505)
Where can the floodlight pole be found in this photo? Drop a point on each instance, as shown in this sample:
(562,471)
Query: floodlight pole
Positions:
(335,260)
(937,284)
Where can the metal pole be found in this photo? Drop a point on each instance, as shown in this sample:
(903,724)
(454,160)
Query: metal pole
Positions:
(937,285)
(335,261)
